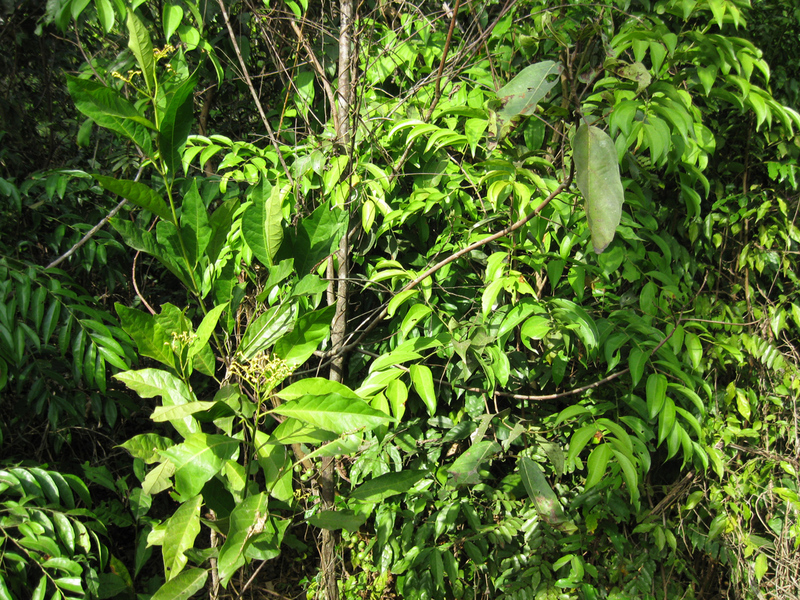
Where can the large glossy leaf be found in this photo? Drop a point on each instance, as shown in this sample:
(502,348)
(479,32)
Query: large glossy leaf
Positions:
(176,122)
(267,329)
(142,48)
(109,109)
(246,520)
(316,237)
(261,222)
(597,176)
(299,344)
(138,193)
(195,230)
(198,459)
(182,587)
(543,496)
(181,530)
(334,412)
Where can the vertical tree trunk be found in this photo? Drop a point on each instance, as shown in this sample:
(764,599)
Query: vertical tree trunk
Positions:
(344,97)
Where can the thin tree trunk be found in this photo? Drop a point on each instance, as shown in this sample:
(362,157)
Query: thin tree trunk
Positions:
(328,588)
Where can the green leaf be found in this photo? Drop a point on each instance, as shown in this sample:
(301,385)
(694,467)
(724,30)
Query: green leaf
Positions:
(138,193)
(176,123)
(298,345)
(105,14)
(317,236)
(761,566)
(666,420)
(142,48)
(155,382)
(579,440)
(159,478)
(315,386)
(422,379)
(261,222)
(198,459)
(656,393)
(247,519)
(596,465)
(267,329)
(387,485)
(275,464)
(465,468)
(206,329)
(181,530)
(171,18)
(637,359)
(38,593)
(109,109)
(170,413)
(195,230)
(182,587)
(598,179)
(338,519)
(543,496)
(521,95)
(334,412)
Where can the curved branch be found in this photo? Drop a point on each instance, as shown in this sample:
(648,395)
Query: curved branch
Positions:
(456,255)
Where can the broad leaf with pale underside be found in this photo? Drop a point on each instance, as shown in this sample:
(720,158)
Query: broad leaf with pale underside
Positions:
(597,176)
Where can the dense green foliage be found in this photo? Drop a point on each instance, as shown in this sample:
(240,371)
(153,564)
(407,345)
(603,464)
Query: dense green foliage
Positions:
(396,301)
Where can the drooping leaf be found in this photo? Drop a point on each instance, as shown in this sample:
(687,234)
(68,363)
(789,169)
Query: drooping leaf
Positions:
(422,380)
(140,194)
(315,386)
(520,97)
(597,464)
(176,122)
(598,179)
(465,468)
(261,222)
(334,412)
(109,109)
(195,230)
(181,531)
(543,496)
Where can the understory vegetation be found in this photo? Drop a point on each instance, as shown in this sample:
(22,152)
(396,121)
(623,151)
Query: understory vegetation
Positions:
(468,300)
